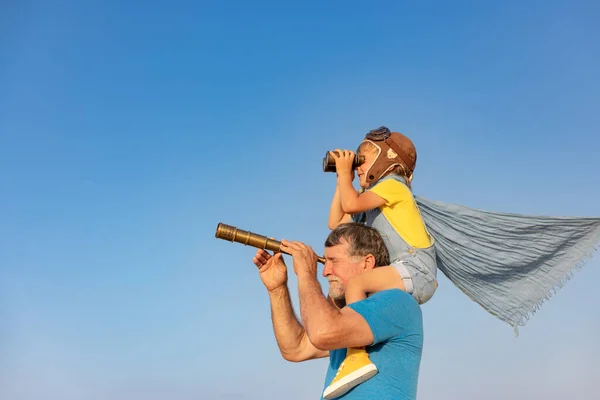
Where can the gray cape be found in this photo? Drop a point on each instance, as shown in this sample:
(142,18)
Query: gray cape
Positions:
(508,263)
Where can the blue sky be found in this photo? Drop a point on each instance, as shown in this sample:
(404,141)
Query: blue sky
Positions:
(128,132)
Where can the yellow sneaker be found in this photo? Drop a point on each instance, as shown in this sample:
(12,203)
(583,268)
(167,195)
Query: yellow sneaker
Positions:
(356,368)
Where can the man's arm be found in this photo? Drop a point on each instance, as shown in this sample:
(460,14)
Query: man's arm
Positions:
(327,327)
(291,337)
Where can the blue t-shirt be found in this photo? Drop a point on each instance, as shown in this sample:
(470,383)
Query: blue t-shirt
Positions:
(396,322)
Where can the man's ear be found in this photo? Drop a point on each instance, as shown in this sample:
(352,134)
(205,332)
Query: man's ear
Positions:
(369,262)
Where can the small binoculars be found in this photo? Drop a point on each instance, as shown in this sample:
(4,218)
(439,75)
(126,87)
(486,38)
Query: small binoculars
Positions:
(329,162)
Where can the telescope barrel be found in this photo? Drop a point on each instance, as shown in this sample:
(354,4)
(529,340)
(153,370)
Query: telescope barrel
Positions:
(247,238)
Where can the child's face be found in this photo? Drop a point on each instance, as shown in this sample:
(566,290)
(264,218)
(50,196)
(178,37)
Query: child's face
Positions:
(362,169)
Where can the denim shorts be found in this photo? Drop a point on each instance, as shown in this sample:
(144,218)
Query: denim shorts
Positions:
(418,275)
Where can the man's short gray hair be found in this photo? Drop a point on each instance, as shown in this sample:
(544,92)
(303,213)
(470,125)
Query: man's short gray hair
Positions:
(363,240)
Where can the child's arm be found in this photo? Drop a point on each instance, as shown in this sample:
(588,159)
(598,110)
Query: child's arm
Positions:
(351,201)
(375,280)
(336,214)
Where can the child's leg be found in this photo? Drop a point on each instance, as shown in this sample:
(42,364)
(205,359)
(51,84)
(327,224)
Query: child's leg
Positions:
(373,281)
(357,367)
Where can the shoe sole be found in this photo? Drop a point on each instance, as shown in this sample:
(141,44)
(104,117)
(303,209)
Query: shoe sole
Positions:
(348,382)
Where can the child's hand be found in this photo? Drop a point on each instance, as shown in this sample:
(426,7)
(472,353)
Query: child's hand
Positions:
(343,162)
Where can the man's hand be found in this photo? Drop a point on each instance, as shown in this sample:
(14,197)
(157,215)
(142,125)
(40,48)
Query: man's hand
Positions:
(272,269)
(343,162)
(305,259)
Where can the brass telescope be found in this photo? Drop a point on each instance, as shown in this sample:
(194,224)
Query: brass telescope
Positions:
(233,234)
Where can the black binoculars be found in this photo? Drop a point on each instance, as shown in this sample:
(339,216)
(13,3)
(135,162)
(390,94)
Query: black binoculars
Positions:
(329,162)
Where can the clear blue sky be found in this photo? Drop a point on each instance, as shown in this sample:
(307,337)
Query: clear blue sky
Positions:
(128,131)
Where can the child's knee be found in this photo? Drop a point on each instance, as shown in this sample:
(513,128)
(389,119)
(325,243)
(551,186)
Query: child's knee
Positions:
(425,291)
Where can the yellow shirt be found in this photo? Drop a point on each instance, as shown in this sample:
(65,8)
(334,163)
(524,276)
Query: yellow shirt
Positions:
(401,211)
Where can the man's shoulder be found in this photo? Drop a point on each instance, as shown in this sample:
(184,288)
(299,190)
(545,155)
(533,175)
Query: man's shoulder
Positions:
(390,313)
(396,300)
(394,295)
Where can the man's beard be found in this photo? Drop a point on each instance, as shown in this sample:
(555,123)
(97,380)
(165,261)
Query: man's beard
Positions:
(337,292)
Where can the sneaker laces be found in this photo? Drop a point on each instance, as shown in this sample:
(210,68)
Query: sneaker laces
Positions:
(342,365)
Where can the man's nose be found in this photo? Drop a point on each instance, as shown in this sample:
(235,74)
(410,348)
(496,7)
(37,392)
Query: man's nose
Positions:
(326,269)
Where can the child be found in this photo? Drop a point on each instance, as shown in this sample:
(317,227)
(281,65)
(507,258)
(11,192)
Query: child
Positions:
(386,203)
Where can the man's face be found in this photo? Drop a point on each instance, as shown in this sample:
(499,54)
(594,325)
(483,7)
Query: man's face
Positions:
(339,267)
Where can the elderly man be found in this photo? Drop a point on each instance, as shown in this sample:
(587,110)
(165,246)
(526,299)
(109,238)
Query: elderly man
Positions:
(389,322)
